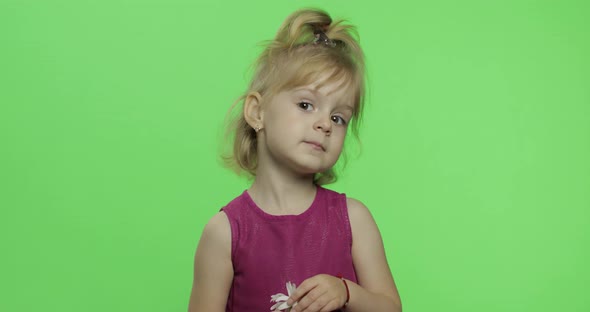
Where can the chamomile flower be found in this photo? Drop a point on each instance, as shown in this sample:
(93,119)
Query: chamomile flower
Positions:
(280,299)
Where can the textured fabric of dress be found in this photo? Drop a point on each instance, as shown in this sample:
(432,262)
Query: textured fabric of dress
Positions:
(268,251)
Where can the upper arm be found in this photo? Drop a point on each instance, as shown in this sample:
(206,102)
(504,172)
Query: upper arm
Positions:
(213,271)
(368,254)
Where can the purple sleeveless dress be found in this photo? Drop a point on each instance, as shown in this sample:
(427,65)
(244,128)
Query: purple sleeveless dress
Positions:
(268,251)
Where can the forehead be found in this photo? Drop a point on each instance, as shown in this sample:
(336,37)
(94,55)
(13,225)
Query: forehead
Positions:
(331,89)
(339,86)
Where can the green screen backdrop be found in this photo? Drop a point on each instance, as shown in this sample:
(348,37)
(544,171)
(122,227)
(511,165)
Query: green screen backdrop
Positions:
(475,156)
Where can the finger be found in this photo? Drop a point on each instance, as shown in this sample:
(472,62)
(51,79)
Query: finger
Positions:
(314,300)
(330,306)
(301,291)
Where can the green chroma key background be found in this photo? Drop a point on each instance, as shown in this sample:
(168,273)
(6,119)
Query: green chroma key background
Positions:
(475,157)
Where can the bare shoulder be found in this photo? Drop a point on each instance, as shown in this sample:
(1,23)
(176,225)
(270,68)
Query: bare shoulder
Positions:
(213,271)
(218,228)
(363,226)
(216,236)
(359,214)
(368,253)
(354,203)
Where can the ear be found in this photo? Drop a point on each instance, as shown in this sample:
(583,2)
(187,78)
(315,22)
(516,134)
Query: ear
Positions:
(253,110)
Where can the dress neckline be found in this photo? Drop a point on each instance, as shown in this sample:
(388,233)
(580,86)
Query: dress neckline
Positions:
(266,215)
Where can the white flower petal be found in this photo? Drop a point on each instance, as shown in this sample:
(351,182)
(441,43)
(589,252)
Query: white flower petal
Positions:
(284,306)
(281,299)
(291,288)
(278,297)
(275,306)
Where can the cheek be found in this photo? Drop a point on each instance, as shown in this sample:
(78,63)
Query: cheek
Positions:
(339,135)
(280,114)
(283,125)
(338,145)
(287,124)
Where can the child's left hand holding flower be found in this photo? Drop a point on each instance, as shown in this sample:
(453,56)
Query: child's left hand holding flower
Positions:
(320,293)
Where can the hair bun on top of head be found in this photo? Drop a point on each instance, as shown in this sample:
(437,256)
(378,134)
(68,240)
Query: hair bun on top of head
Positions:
(322,38)
(304,27)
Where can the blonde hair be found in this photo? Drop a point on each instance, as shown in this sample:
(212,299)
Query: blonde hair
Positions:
(292,60)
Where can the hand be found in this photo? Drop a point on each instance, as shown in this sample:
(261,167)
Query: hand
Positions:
(320,293)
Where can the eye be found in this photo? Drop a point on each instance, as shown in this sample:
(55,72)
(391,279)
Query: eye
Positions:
(339,120)
(305,106)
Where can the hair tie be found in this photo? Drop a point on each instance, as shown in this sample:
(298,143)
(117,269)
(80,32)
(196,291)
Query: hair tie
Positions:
(322,38)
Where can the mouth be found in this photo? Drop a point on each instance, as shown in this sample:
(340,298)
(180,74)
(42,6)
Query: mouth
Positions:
(315,145)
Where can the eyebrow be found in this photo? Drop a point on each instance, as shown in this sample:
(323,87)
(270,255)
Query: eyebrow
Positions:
(315,92)
(312,90)
(347,107)
(306,89)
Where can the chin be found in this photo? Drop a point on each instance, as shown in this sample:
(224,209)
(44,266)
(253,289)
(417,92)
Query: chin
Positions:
(311,165)
(306,167)
(312,170)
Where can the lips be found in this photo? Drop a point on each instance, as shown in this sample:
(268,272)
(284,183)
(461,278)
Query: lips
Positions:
(316,145)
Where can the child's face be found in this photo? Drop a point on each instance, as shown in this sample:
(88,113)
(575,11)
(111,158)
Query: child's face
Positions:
(305,127)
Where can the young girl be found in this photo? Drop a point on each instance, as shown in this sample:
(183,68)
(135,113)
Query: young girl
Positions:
(287,243)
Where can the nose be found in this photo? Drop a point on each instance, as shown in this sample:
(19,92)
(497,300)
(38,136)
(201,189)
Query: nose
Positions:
(323,124)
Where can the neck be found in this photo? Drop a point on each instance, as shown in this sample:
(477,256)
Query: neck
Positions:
(278,192)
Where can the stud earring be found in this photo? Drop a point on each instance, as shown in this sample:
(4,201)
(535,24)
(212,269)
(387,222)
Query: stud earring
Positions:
(257,128)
